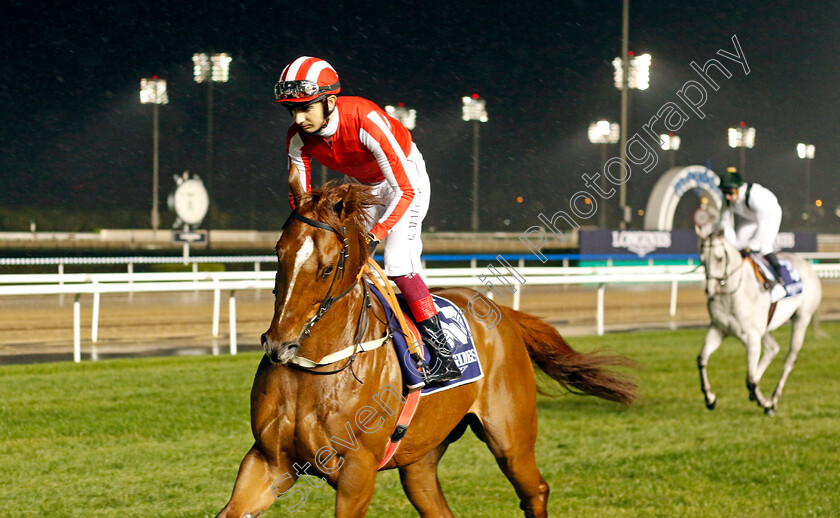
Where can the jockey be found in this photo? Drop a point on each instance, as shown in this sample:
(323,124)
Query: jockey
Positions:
(356,137)
(761,215)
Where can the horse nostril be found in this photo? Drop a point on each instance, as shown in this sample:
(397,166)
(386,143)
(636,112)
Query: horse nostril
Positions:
(263,340)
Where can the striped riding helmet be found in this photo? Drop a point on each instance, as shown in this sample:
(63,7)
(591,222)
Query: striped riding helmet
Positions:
(306,80)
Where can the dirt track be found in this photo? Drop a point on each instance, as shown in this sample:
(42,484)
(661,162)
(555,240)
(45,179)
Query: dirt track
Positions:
(141,323)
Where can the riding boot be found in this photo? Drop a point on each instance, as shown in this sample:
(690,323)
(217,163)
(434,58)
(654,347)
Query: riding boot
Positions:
(442,366)
(773,261)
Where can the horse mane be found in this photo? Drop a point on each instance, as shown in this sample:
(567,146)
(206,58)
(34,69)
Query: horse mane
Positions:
(342,205)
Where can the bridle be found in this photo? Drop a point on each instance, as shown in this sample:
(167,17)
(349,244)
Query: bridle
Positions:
(338,274)
(722,281)
(329,299)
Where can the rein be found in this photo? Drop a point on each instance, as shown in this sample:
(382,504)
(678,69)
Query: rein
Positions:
(338,275)
(327,302)
(722,281)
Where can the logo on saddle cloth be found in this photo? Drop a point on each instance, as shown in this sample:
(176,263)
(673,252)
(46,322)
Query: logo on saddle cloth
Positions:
(791,278)
(458,336)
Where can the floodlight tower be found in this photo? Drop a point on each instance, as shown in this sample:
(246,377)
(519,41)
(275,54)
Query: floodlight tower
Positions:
(210,68)
(153,91)
(806,153)
(742,137)
(474,110)
(603,132)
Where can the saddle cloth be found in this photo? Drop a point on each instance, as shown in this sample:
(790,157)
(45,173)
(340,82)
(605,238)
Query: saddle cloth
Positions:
(790,276)
(458,335)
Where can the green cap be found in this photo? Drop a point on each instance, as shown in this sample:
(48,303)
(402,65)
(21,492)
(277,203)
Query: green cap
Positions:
(731,179)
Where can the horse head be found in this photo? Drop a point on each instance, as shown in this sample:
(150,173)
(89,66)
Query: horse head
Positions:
(718,256)
(319,257)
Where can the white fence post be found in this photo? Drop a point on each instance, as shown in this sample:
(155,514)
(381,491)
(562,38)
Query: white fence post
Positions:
(599,312)
(94,320)
(674,284)
(217,295)
(77,330)
(232,323)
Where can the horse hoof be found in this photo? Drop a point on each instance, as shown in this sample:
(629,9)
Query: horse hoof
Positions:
(771,411)
(712,405)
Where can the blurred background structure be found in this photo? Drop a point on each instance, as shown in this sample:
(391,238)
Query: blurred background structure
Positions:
(77,152)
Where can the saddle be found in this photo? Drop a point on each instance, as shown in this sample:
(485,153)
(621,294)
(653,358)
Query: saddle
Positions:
(789,285)
(458,337)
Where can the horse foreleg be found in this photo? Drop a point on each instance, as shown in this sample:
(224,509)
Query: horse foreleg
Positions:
(259,484)
(771,349)
(714,337)
(753,345)
(355,486)
(797,338)
(421,485)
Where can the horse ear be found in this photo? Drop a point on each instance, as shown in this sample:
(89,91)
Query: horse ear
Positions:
(297,188)
(343,204)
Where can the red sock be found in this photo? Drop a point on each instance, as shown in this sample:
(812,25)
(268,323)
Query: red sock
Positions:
(417,296)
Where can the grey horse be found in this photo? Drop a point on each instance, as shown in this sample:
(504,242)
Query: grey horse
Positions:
(739,306)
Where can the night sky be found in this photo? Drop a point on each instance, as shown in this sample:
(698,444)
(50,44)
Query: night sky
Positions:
(75,136)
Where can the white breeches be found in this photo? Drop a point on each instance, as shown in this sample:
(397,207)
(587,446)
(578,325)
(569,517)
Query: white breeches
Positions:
(403,245)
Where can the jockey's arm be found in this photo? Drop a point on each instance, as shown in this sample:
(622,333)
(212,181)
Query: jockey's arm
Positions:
(727,224)
(768,215)
(393,163)
(300,167)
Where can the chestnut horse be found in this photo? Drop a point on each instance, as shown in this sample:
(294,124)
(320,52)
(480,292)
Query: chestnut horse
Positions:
(305,423)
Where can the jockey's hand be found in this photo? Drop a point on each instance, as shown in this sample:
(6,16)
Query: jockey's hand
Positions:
(292,201)
(746,252)
(372,242)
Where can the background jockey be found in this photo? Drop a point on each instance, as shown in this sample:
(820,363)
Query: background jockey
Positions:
(761,216)
(356,137)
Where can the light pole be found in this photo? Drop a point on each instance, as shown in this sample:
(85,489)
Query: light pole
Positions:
(153,91)
(210,68)
(630,72)
(603,133)
(806,152)
(742,137)
(474,110)
(671,143)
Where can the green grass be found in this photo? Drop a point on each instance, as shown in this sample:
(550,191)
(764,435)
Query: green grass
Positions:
(163,437)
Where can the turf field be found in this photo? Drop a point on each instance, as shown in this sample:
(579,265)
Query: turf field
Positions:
(163,437)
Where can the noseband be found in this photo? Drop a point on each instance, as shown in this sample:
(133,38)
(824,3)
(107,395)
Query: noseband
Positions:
(338,275)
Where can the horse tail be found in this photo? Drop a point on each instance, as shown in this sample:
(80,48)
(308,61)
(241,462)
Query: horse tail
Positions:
(579,373)
(819,332)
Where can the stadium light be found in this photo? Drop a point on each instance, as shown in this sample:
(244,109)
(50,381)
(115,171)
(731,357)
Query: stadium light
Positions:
(210,68)
(153,91)
(638,75)
(742,137)
(603,132)
(670,143)
(806,153)
(406,116)
(474,110)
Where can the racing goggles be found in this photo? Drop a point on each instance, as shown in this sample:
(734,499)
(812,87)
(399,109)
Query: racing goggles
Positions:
(287,90)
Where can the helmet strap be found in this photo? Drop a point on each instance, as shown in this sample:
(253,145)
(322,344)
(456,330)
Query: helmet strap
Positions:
(327,112)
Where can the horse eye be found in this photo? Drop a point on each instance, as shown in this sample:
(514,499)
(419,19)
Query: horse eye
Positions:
(327,271)
(274,291)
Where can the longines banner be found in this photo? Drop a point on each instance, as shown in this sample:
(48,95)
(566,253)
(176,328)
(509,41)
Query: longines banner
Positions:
(645,242)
